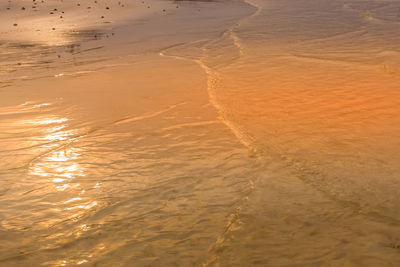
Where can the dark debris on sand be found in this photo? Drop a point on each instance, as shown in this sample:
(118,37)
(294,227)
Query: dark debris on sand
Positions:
(38,5)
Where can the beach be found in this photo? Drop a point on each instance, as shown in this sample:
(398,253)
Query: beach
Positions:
(199,133)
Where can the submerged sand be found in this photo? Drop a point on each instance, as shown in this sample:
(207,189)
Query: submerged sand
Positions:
(200,133)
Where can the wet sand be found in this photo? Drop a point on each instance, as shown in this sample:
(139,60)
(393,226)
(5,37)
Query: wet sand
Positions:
(112,154)
(199,133)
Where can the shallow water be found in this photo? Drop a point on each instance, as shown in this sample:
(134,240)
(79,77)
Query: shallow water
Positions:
(269,140)
(140,190)
(155,183)
(121,162)
(314,90)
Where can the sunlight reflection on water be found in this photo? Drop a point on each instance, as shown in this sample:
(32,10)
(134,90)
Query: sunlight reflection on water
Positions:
(60,167)
(58,164)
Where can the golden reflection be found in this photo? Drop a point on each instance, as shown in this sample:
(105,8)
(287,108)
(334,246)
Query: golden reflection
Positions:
(59,136)
(62,156)
(30,105)
(51,121)
(86,207)
(45,120)
(72,200)
(62,187)
(84,227)
(60,166)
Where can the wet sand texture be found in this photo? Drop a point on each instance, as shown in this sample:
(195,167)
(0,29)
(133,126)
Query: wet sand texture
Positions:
(185,133)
